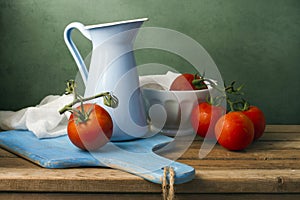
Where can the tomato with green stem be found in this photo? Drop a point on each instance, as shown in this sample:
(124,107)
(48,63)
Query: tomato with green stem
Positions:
(90,127)
(255,114)
(188,82)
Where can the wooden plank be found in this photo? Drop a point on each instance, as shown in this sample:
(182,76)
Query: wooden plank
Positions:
(261,144)
(6,154)
(260,150)
(72,180)
(16,163)
(243,181)
(293,136)
(254,154)
(108,180)
(271,136)
(81,196)
(278,145)
(153,196)
(282,128)
(242,164)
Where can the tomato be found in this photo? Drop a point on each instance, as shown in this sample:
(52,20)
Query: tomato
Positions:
(92,133)
(204,117)
(258,119)
(185,82)
(234,131)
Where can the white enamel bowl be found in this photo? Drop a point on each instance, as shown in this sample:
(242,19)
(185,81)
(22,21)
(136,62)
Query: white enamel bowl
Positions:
(169,111)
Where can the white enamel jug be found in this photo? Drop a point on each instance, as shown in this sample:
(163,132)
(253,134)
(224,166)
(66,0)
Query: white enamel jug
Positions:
(113,69)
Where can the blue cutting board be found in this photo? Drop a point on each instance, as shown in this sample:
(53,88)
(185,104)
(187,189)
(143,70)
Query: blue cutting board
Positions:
(136,156)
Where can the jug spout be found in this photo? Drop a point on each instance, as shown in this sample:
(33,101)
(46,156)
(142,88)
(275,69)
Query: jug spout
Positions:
(113,68)
(100,33)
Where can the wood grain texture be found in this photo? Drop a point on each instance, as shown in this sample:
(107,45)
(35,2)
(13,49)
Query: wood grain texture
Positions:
(271,165)
(143,196)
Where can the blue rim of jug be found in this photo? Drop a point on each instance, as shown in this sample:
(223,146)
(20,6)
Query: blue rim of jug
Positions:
(115,23)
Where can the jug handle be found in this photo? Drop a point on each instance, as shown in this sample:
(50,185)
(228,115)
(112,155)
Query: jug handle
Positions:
(73,49)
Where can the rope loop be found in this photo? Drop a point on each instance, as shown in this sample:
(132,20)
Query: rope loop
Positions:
(168,183)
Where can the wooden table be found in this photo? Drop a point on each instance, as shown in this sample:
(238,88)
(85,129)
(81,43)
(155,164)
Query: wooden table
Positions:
(268,169)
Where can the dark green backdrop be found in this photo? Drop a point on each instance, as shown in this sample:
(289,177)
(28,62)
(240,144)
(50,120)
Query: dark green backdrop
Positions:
(255,42)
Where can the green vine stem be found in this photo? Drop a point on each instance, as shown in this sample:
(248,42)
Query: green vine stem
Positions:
(232,96)
(232,90)
(238,105)
(108,99)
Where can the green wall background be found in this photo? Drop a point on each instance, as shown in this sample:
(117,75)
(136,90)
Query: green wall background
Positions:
(254,42)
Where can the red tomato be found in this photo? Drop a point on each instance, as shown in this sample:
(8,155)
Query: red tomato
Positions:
(184,82)
(93,133)
(234,131)
(204,117)
(258,119)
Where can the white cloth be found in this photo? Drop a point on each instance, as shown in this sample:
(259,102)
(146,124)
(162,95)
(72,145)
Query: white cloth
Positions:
(161,81)
(43,120)
(164,81)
